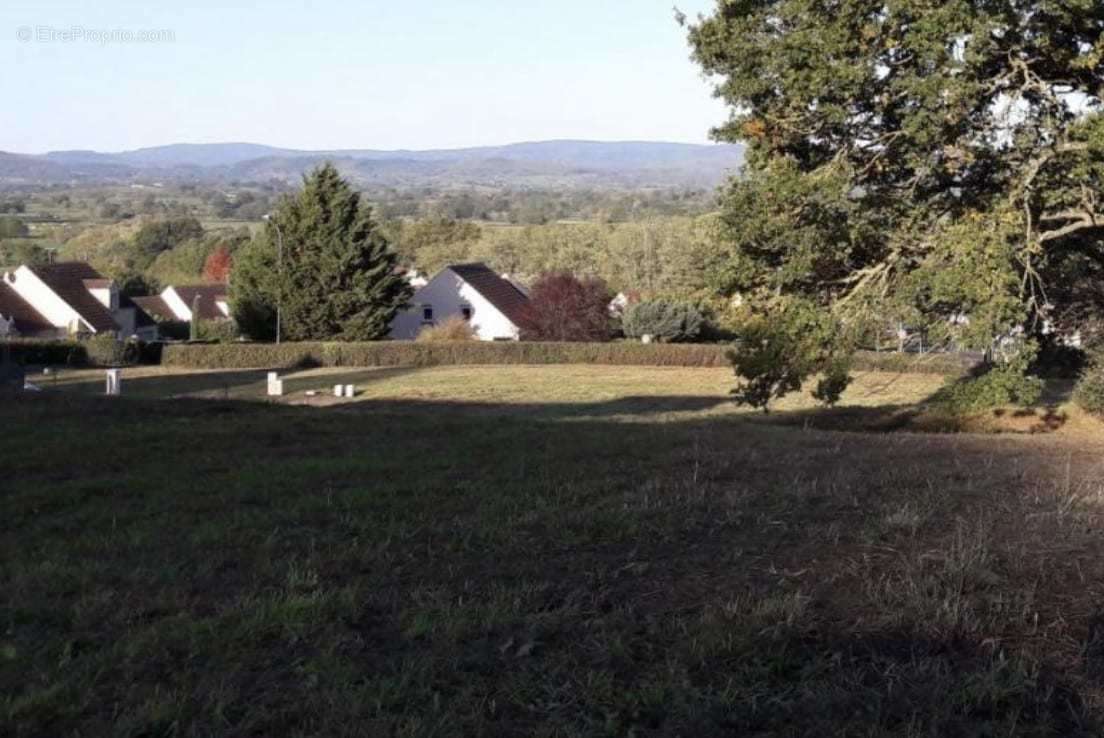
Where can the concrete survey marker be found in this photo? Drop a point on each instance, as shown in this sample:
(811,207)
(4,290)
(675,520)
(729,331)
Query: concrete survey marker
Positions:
(275,385)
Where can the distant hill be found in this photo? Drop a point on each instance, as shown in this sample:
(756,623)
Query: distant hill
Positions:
(541,163)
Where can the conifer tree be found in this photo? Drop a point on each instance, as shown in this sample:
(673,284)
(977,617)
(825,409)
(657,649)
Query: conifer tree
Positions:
(337,276)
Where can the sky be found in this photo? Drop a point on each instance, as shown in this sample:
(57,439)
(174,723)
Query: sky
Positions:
(328,74)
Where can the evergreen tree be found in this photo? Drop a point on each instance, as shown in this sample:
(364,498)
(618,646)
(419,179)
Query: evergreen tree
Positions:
(337,277)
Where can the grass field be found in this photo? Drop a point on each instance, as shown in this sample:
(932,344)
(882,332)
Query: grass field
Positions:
(555,551)
(636,391)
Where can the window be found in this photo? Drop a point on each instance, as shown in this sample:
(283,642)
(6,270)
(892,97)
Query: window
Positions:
(427,312)
(466,311)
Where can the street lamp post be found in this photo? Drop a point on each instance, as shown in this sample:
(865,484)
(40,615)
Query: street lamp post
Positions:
(279,270)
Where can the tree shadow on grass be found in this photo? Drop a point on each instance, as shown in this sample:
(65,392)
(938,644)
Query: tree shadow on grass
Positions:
(624,407)
(740,560)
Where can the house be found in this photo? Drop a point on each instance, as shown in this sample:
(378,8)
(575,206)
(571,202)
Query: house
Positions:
(17,316)
(211,300)
(494,306)
(70,299)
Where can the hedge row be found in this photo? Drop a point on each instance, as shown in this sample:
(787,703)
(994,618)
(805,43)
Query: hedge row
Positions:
(97,351)
(54,353)
(401,353)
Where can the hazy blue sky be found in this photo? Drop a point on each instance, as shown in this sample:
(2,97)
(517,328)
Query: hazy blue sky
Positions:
(369,74)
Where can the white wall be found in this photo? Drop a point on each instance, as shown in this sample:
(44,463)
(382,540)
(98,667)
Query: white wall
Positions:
(43,299)
(176,304)
(108,296)
(447,293)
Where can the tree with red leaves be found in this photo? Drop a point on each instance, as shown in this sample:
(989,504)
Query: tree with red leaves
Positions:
(564,308)
(218,265)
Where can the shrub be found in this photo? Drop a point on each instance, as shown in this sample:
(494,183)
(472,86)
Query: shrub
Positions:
(453,329)
(220,331)
(1089,392)
(564,308)
(663,319)
(1003,384)
(108,351)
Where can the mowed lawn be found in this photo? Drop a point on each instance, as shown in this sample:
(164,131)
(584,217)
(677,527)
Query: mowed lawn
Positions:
(520,551)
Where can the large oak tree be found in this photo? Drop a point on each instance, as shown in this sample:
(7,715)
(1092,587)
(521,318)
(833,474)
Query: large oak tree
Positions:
(915,160)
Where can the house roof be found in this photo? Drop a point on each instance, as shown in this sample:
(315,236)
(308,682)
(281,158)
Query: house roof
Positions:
(507,299)
(67,280)
(142,318)
(209,296)
(13,307)
(155,307)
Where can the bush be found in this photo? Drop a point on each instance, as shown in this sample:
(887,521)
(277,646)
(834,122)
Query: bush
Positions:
(107,351)
(665,320)
(220,331)
(453,329)
(1089,392)
(1005,384)
(562,307)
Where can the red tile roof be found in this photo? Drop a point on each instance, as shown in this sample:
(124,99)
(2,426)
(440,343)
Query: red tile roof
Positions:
(209,295)
(508,299)
(28,321)
(67,279)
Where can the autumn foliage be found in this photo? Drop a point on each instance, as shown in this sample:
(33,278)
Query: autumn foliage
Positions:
(218,265)
(564,308)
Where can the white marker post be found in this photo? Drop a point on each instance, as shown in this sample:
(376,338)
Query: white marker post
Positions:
(114,383)
(350,391)
(338,390)
(275,385)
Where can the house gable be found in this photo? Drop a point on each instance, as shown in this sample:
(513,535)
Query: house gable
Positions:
(213,301)
(46,302)
(470,291)
(68,283)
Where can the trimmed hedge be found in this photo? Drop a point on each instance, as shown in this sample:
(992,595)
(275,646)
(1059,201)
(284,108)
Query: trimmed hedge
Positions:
(405,353)
(97,351)
(37,351)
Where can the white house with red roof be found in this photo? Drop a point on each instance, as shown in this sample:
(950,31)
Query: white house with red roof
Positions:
(68,299)
(180,302)
(493,305)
